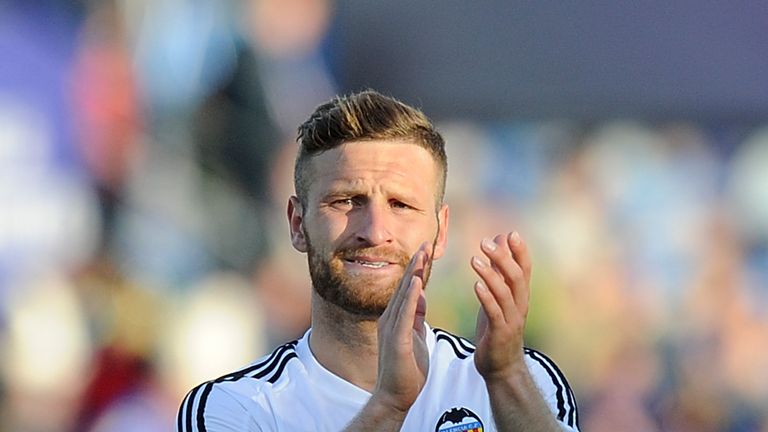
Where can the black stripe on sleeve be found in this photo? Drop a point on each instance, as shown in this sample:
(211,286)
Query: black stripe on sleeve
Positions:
(180,414)
(179,423)
(574,417)
(190,403)
(462,347)
(555,381)
(278,358)
(452,342)
(563,389)
(275,362)
(201,407)
(573,414)
(243,372)
(465,344)
(280,368)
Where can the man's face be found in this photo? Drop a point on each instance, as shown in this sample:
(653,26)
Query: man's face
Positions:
(369,207)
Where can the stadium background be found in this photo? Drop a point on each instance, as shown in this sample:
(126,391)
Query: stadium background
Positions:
(145,159)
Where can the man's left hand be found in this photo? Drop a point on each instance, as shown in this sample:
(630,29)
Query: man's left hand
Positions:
(503,291)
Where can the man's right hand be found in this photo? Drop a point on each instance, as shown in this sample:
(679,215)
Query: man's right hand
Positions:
(403,355)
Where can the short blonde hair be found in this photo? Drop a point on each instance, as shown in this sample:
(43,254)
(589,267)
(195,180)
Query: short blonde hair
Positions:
(365,116)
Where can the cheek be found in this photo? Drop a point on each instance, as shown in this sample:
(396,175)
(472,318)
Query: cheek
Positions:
(418,232)
(327,231)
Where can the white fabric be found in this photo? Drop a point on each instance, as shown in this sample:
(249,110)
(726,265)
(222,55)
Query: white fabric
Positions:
(290,391)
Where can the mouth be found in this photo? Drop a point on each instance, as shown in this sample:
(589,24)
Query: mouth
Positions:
(380,262)
(368,262)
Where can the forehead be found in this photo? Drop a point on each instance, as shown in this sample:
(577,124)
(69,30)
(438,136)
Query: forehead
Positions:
(391,163)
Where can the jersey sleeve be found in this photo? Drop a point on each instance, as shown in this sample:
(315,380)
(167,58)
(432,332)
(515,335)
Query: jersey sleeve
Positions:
(209,407)
(554,388)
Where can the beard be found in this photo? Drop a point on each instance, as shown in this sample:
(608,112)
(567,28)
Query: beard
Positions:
(365,296)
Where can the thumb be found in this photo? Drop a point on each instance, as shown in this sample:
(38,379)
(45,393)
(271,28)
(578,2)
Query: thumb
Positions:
(482,324)
(421,313)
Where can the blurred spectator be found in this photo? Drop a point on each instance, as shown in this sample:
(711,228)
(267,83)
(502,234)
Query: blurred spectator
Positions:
(236,142)
(748,199)
(124,318)
(219,327)
(44,355)
(290,37)
(289,41)
(46,206)
(107,108)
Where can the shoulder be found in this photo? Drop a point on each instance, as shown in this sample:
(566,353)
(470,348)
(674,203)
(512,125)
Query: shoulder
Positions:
(231,402)
(554,386)
(452,345)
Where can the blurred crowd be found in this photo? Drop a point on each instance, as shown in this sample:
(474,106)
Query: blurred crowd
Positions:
(146,155)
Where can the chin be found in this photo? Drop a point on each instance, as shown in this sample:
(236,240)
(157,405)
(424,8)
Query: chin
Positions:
(361,298)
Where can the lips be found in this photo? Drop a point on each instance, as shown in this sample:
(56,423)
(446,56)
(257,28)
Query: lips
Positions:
(369,262)
(373,258)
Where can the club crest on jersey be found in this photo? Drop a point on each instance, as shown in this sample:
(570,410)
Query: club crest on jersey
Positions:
(459,420)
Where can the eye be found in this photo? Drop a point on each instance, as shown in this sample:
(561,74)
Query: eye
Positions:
(345,202)
(399,205)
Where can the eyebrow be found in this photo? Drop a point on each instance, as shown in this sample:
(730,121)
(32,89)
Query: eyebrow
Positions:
(346,188)
(342,187)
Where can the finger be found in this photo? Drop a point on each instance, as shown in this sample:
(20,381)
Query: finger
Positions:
(416,261)
(402,287)
(523,258)
(420,262)
(420,266)
(503,261)
(501,245)
(401,291)
(421,312)
(411,312)
(493,313)
(406,314)
(413,264)
(482,319)
(496,285)
(520,252)
(501,242)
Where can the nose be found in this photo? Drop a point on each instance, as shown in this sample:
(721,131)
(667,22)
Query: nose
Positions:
(374,228)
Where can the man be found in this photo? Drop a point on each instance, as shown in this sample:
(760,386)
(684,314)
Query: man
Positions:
(369,214)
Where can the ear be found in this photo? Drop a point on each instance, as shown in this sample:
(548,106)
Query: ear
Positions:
(441,242)
(295,213)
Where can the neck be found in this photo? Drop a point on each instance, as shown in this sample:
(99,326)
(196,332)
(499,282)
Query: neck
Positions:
(345,344)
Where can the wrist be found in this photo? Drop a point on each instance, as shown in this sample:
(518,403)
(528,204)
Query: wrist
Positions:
(517,402)
(513,378)
(378,414)
(388,406)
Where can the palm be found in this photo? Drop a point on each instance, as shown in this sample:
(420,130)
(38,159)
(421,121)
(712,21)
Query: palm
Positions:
(503,294)
(403,356)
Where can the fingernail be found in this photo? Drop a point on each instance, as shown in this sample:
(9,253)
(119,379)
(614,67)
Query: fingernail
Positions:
(480,286)
(478,262)
(488,244)
(514,238)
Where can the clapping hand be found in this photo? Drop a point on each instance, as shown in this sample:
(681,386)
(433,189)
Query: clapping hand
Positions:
(403,356)
(503,291)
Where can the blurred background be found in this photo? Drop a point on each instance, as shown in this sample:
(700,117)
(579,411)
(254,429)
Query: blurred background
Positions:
(146,151)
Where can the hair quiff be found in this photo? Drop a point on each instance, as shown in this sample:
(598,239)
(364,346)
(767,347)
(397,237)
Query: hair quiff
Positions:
(365,116)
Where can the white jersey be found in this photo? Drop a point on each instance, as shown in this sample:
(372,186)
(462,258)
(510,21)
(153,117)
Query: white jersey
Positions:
(289,390)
